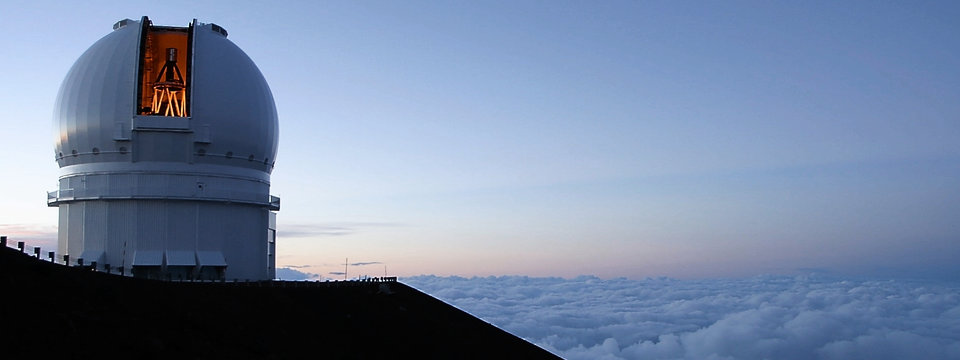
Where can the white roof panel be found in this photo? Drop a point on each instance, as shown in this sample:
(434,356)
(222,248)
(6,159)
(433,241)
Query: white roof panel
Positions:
(90,256)
(211,258)
(181,258)
(147,258)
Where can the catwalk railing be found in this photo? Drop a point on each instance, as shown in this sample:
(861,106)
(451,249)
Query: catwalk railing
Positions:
(128,272)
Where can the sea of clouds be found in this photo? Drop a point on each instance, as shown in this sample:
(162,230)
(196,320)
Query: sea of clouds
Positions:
(769,317)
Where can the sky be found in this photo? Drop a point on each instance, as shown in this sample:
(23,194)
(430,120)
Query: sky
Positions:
(634,139)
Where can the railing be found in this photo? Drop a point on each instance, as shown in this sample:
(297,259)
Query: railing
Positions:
(275,202)
(128,272)
(59,194)
(159,192)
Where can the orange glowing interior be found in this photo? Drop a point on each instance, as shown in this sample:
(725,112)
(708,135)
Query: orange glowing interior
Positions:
(164,76)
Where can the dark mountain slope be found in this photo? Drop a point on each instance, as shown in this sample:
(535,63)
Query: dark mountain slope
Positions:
(70,312)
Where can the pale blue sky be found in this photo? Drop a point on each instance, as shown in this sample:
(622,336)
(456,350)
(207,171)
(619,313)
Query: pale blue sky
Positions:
(661,138)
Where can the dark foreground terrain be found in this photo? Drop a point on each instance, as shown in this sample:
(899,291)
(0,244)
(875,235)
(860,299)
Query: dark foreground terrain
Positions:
(50,310)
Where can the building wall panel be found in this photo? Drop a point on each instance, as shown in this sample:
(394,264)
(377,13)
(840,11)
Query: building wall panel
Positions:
(63,224)
(75,229)
(181,226)
(95,222)
(122,234)
(151,225)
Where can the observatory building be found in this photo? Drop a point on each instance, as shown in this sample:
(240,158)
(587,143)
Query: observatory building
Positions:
(166,138)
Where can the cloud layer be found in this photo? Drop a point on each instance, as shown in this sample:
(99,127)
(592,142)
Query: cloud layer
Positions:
(807,317)
(328,229)
(289,273)
(44,236)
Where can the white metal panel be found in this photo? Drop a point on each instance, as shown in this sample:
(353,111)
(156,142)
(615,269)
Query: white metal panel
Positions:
(92,255)
(181,258)
(181,225)
(272,245)
(95,184)
(160,123)
(211,258)
(231,95)
(122,232)
(63,224)
(151,225)
(184,185)
(96,92)
(95,225)
(209,234)
(244,244)
(121,184)
(75,229)
(163,146)
(148,258)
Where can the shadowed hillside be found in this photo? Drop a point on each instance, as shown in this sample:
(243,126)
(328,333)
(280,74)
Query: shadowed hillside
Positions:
(70,312)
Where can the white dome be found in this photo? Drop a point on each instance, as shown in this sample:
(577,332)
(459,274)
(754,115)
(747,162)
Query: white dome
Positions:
(232,116)
(166,138)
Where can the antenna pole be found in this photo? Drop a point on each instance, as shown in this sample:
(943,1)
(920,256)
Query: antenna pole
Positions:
(346,261)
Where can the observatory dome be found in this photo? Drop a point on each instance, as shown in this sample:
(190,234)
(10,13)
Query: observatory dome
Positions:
(228,106)
(166,138)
